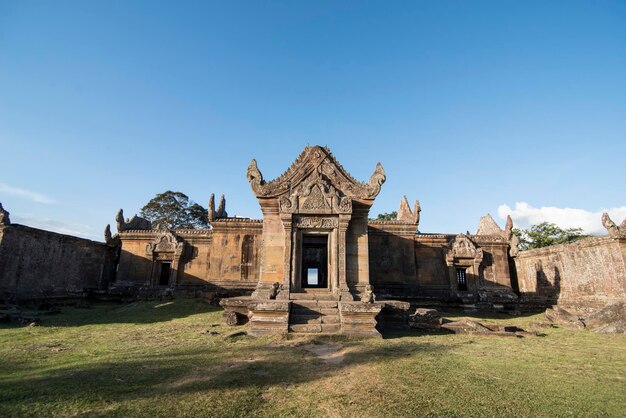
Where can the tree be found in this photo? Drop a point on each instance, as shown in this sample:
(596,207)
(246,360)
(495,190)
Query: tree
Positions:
(546,234)
(387,216)
(174,210)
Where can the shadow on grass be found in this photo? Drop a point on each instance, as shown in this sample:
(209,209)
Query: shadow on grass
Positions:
(224,367)
(109,313)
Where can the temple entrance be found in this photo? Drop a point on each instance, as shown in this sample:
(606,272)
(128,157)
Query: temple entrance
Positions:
(314,261)
(164,276)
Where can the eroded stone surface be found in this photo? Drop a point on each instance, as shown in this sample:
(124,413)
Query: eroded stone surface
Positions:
(558,315)
(425,319)
(611,319)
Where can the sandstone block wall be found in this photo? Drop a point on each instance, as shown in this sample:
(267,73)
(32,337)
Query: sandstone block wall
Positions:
(392,258)
(35,263)
(226,257)
(586,274)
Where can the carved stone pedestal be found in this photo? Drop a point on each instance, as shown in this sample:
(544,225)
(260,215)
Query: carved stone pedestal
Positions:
(269,317)
(236,310)
(358,319)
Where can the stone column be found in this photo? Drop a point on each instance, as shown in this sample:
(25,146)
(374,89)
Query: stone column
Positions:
(287,220)
(344,290)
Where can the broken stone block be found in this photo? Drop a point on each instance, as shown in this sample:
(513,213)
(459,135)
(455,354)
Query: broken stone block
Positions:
(558,315)
(425,319)
(611,319)
(230,318)
(466,326)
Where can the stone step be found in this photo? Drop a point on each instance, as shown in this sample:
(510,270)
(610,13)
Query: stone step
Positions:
(306,328)
(305,319)
(314,303)
(313,296)
(330,319)
(328,328)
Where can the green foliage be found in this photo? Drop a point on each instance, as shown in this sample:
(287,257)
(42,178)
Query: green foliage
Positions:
(546,234)
(174,210)
(387,216)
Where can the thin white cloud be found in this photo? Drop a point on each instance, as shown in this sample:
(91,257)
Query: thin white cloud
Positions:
(25,194)
(61,227)
(525,215)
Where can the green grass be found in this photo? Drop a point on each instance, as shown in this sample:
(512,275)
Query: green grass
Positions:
(155,359)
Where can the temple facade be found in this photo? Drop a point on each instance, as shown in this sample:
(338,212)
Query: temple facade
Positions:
(316,253)
(315,262)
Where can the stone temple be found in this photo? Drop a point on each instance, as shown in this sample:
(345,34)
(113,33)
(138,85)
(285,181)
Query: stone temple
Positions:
(316,262)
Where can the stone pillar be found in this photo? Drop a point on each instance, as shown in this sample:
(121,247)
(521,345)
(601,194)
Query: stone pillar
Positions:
(288,256)
(344,290)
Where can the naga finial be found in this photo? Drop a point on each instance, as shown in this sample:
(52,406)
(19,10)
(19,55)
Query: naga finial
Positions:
(376,180)
(254,176)
(416,212)
(119,219)
(614,230)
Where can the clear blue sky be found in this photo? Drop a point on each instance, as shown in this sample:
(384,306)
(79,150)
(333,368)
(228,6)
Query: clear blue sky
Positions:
(468,105)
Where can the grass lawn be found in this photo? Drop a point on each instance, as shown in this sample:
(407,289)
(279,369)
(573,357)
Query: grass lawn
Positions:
(157,359)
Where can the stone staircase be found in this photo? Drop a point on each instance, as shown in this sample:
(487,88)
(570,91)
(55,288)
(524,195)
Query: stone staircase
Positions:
(314,315)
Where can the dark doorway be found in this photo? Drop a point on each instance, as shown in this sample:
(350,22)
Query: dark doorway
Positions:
(164,278)
(315,261)
(247,255)
(461,280)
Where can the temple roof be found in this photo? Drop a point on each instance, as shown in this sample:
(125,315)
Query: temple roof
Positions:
(320,161)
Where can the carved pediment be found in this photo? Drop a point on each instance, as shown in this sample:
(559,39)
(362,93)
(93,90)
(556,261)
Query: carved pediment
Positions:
(166,242)
(316,201)
(463,247)
(316,195)
(319,163)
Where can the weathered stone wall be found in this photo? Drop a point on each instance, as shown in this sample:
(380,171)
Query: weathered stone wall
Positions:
(235,253)
(404,264)
(226,257)
(432,271)
(36,263)
(392,258)
(587,273)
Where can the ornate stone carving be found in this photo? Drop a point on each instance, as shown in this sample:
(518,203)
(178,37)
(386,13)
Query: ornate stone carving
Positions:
(404,212)
(376,181)
(488,226)
(321,161)
(109,239)
(514,246)
(614,230)
(345,205)
(274,290)
(4,217)
(221,209)
(463,247)
(211,210)
(508,228)
(368,294)
(416,213)
(316,201)
(288,204)
(136,223)
(317,222)
(166,242)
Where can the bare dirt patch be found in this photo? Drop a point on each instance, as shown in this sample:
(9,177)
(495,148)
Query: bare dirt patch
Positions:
(331,353)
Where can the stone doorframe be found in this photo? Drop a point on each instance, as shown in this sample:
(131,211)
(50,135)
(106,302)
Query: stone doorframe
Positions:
(463,253)
(335,227)
(166,247)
